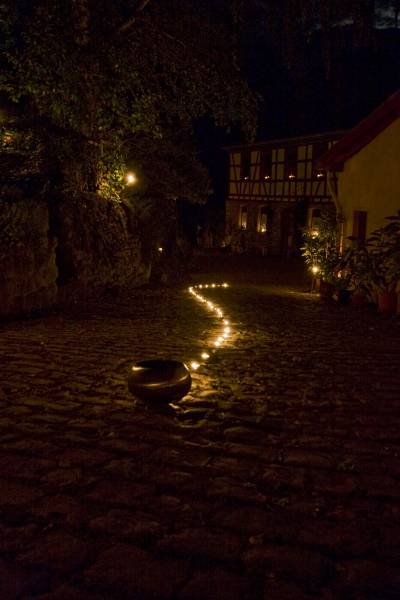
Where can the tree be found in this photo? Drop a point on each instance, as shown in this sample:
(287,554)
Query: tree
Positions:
(96,81)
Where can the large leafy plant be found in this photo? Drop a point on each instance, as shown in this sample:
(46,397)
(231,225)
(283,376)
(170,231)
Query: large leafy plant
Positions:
(320,248)
(384,251)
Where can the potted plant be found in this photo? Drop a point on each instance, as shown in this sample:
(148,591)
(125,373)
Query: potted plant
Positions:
(384,251)
(320,253)
(356,263)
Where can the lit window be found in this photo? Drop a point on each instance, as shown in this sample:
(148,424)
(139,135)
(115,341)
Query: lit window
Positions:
(245,165)
(318,150)
(243,218)
(315,222)
(265,164)
(263,220)
(291,163)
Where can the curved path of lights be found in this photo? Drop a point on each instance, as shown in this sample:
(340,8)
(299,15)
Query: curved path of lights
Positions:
(197,292)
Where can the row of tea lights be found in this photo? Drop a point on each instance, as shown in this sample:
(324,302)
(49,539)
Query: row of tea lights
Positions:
(226,330)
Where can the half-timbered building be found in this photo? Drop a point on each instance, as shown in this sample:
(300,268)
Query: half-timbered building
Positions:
(275,190)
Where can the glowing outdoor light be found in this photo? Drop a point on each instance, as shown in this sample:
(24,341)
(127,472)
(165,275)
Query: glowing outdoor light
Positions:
(130,178)
(225,331)
(315,269)
(160,249)
(194,365)
(314,233)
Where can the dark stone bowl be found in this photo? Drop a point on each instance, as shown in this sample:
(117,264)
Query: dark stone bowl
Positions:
(158,379)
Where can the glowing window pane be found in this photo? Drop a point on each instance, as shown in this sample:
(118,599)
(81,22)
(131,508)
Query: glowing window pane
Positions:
(263,221)
(243,218)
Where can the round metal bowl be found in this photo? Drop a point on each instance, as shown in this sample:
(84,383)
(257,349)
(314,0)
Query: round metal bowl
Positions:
(159,379)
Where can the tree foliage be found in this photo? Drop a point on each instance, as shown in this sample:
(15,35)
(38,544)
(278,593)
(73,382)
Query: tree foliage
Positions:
(97,81)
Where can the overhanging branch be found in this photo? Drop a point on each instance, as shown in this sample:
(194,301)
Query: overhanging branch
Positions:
(132,20)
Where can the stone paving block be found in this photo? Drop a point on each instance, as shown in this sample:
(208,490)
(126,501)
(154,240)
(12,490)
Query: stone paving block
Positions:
(228,488)
(308,459)
(345,539)
(12,538)
(282,590)
(16,494)
(83,456)
(202,543)
(214,584)
(129,572)
(60,508)
(23,467)
(68,592)
(126,524)
(16,581)
(119,492)
(373,579)
(293,563)
(56,551)
(62,478)
(255,523)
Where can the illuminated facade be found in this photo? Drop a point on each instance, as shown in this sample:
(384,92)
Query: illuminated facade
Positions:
(366,165)
(275,190)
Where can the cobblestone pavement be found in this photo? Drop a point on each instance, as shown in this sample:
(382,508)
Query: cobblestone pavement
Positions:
(276,478)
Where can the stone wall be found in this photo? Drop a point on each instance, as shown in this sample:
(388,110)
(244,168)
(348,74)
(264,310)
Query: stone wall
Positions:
(98,247)
(27,257)
(55,251)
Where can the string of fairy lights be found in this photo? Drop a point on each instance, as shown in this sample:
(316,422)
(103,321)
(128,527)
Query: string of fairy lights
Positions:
(225,332)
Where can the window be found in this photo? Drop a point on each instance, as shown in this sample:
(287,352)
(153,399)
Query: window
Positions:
(245,163)
(263,220)
(265,164)
(243,218)
(360,226)
(315,219)
(291,163)
(318,150)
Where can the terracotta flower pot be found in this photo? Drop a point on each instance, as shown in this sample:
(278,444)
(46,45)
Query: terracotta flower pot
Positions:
(387,303)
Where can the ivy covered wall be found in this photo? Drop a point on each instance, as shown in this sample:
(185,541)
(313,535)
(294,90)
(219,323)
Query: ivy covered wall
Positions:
(28,271)
(55,251)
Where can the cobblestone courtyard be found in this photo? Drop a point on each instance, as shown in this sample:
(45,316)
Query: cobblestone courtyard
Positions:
(276,478)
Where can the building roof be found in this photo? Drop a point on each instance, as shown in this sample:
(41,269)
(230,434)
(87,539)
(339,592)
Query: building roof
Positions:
(363,133)
(290,141)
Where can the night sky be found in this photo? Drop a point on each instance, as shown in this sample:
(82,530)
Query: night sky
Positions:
(304,95)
